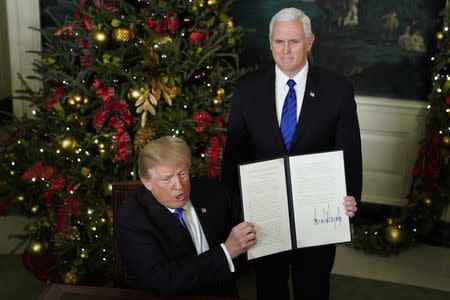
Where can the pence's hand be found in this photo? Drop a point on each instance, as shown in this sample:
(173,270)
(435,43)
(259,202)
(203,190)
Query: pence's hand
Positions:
(350,206)
(240,239)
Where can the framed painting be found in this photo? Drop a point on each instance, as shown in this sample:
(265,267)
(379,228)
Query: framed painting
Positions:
(383,46)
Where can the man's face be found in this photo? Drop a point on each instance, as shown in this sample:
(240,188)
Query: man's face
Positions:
(170,184)
(290,46)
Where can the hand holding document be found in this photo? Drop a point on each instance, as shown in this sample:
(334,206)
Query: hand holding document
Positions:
(295,202)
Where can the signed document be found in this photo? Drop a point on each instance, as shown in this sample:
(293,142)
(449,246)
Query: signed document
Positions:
(295,202)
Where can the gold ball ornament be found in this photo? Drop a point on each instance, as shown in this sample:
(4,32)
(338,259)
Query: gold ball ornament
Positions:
(86,172)
(439,35)
(446,140)
(393,235)
(122,35)
(35,248)
(68,143)
(134,93)
(427,201)
(217,101)
(230,25)
(220,92)
(101,148)
(108,189)
(20,197)
(99,37)
(71,101)
(35,209)
(212,2)
(71,278)
(389,221)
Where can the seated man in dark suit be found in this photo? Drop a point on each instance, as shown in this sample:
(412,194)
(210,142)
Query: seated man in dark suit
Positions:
(177,240)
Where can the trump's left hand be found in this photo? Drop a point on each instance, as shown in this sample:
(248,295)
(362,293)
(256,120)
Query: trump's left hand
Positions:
(350,206)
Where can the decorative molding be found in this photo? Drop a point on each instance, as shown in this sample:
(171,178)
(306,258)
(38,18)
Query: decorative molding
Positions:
(390,132)
(21,17)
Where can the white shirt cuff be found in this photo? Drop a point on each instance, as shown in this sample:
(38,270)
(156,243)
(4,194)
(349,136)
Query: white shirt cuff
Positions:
(230,261)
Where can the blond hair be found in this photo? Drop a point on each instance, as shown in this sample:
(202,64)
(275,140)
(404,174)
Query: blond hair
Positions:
(165,150)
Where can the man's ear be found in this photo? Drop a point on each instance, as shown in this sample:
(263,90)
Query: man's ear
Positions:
(147,183)
(310,41)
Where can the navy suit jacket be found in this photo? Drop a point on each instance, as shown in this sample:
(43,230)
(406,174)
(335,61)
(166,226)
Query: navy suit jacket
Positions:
(327,122)
(158,252)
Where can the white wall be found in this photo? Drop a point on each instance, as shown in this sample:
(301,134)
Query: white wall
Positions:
(5,76)
(21,15)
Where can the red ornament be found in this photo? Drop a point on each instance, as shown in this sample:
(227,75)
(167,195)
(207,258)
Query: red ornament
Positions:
(151,22)
(447,99)
(203,119)
(196,36)
(171,22)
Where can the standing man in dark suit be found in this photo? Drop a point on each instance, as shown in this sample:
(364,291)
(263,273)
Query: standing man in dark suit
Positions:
(294,108)
(175,240)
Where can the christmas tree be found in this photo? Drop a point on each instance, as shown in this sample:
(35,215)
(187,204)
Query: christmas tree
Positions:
(428,196)
(115,74)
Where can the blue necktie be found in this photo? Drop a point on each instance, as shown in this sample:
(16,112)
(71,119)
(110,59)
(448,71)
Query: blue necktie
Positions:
(289,115)
(179,213)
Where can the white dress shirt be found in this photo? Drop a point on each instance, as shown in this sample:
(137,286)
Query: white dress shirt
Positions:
(198,236)
(281,89)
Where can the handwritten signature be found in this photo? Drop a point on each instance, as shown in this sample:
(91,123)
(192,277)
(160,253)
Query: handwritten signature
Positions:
(325,217)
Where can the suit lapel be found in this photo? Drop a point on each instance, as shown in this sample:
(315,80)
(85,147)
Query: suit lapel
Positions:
(166,221)
(201,208)
(311,95)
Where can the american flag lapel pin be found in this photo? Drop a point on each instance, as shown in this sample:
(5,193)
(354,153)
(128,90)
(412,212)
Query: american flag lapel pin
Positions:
(312,94)
(203,210)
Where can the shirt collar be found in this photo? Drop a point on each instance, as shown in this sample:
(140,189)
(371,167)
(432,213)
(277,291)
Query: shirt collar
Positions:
(186,207)
(299,77)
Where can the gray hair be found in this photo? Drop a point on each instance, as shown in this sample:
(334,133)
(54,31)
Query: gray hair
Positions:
(291,14)
(167,149)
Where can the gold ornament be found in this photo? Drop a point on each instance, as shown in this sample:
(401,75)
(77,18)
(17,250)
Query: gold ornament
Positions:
(230,25)
(35,247)
(427,201)
(217,101)
(35,208)
(101,148)
(143,136)
(446,140)
(133,94)
(68,143)
(71,101)
(122,35)
(163,39)
(69,236)
(212,2)
(389,221)
(86,172)
(99,37)
(71,278)
(20,197)
(220,92)
(78,119)
(393,235)
(108,189)
(439,35)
